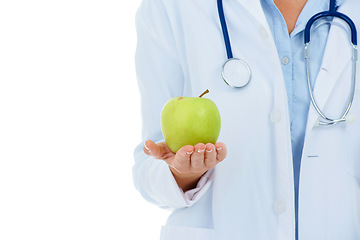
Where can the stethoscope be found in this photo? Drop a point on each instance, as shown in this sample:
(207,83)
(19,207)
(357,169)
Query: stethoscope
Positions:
(237,74)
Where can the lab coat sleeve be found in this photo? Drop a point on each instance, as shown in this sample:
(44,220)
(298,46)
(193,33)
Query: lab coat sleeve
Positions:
(160,77)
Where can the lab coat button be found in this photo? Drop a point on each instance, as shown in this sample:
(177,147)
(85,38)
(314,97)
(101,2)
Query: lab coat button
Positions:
(263,33)
(275,116)
(279,207)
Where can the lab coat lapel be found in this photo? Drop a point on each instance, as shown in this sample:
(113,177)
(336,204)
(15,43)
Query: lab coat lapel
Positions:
(337,56)
(255,8)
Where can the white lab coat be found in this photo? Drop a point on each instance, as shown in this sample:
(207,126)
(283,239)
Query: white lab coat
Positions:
(250,195)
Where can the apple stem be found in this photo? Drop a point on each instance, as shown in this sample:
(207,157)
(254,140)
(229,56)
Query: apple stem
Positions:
(207,90)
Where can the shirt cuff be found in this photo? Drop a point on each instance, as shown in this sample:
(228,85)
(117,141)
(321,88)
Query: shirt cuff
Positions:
(191,196)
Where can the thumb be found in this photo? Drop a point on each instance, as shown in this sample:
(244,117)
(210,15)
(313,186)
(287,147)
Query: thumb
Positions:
(154,150)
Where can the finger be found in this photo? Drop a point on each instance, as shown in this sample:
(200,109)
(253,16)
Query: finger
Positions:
(210,156)
(181,162)
(221,151)
(197,158)
(154,150)
(146,148)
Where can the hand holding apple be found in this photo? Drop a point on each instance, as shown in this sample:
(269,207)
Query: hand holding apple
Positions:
(190,162)
(191,127)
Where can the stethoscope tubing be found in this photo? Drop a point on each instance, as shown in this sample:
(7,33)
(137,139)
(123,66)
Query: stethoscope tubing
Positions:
(331,13)
(330,121)
(224,29)
(353,38)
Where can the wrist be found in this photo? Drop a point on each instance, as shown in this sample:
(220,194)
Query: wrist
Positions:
(186,181)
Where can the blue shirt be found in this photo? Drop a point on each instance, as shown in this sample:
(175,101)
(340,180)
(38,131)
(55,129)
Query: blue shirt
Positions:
(291,55)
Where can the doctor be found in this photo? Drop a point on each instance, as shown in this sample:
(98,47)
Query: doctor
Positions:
(277,174)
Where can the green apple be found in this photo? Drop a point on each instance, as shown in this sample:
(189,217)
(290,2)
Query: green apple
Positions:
(189,121)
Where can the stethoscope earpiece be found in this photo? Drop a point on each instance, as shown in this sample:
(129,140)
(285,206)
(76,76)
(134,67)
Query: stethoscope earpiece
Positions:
(353,39)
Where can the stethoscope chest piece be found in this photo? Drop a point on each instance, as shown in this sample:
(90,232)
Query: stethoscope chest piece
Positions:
(236,73)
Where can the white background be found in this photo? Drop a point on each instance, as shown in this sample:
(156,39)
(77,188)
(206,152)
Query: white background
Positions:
(69,122)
